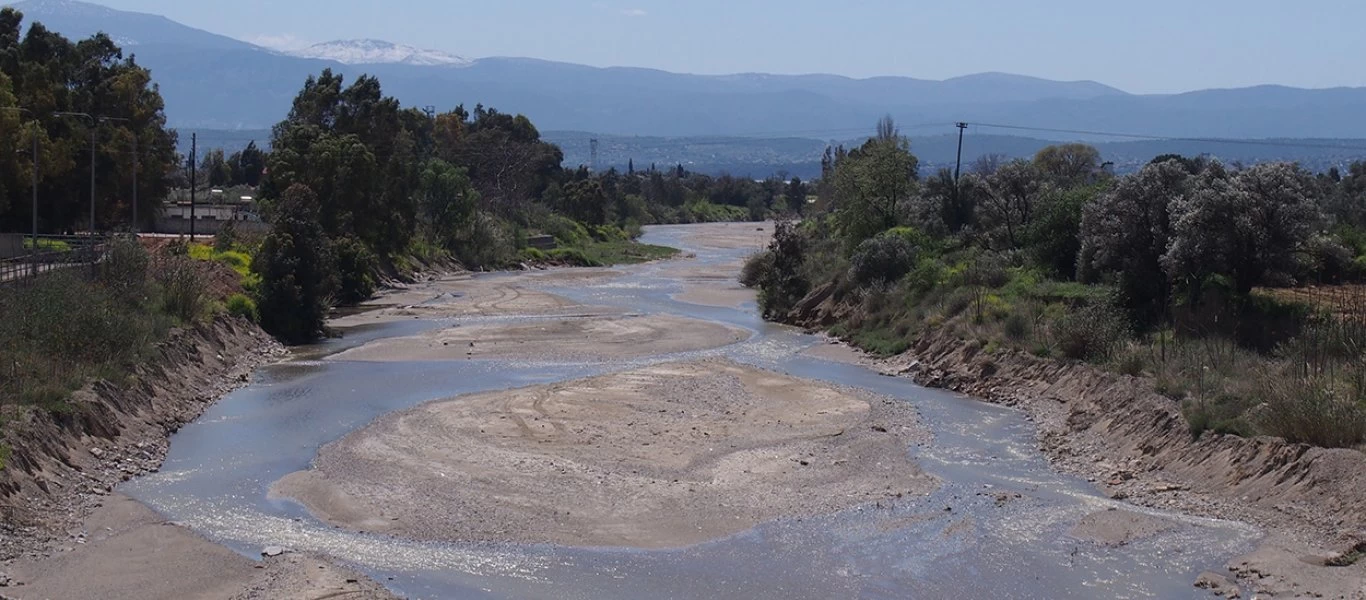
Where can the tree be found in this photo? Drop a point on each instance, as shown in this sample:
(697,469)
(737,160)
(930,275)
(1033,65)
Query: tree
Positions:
(217,172)
(873,183)
(1067,165)
(1126,232)
(1055,234)
(249,163)
(46,73)
(1246,227)
(297,268)
(1005,202)
(447,201)
(795,195)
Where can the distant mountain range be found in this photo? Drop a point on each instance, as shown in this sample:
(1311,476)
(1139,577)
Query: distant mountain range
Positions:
(211,81)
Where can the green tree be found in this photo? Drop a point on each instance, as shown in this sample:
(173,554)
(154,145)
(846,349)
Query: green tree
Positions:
(47,73)
(216,170)
(1067,165)
(873,184)
(297,268)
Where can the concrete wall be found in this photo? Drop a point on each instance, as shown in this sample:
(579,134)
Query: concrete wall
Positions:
(206,226)
(12,245)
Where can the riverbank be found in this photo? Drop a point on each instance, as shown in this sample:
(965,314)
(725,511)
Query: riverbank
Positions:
(68,534)
(1136,446)
(662,457)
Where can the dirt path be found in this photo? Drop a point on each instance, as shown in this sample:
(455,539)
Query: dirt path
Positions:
(661,457)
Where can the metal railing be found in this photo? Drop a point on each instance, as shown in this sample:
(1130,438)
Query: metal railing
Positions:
(53,253)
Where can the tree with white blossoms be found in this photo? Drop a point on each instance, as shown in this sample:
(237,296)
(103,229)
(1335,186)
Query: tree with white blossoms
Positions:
(1247,226)
(1126,232)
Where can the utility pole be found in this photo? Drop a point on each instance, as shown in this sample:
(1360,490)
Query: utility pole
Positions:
(959,168)
(194,163)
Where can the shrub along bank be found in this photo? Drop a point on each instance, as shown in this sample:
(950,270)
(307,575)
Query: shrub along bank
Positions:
(1167,274)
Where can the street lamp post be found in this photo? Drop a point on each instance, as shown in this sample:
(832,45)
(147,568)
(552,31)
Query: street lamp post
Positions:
(94,125)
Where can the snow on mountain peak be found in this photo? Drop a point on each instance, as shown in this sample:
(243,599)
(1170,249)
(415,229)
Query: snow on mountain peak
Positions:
(368,52)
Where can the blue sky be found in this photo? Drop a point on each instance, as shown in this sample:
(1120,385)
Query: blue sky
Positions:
(1146,47)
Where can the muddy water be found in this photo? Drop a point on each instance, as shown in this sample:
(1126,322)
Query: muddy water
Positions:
(997,527)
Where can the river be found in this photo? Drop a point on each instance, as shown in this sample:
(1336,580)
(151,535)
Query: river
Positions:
(997,527)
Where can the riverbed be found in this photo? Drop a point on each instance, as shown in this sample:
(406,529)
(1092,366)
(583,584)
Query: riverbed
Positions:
(997,522)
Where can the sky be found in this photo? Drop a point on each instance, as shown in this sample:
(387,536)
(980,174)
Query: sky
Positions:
(1152,46)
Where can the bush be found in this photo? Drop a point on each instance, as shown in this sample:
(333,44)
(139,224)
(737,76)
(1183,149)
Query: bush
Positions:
(884,258)
(226,237)
(1091,333)
(756,267)
(573,257)
(566,231)
(783,286)
(124,269)
(356,268)
(182,289)
(1315,409)
(240,305)
(1016,327)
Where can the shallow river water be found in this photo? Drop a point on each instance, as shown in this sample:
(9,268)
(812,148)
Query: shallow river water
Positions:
(958,542)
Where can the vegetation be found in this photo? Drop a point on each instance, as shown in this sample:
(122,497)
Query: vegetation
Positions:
(73,326)
(46,74)
(1170,273)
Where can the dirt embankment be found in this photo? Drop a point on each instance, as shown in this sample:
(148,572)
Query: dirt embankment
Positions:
(64,532)
(661,457)
(1137,445)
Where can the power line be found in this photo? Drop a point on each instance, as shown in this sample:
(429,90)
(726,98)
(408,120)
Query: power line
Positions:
(1201,140)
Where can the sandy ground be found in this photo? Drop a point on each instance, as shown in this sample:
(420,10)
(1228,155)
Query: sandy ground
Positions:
(662,457)
(716,285)
(728,236)
(466,295)
(587,338)
(840,352)
(127,551)
(1119,527)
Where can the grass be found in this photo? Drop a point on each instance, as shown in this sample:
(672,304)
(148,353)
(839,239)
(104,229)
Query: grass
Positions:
(47,245)
(619,252)
(67,328)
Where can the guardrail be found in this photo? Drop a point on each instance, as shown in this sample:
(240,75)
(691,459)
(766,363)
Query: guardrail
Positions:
(54,253)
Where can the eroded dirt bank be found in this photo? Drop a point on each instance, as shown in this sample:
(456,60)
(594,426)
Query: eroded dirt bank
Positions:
(1136,445)
(666,456)
(66,534)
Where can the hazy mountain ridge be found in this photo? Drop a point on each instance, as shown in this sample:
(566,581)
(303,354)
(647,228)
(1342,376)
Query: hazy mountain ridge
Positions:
(212,81)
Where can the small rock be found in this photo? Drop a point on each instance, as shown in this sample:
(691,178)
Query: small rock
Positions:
(270,551)
(96,452)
